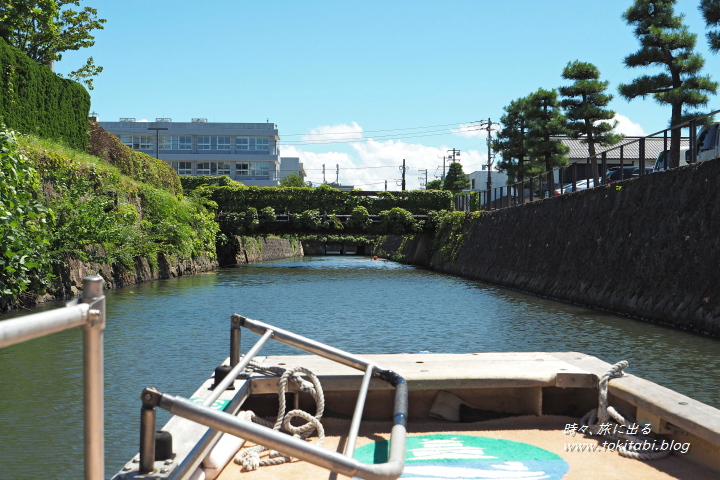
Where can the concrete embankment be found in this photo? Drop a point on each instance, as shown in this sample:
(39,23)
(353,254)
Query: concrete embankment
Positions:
(646,248)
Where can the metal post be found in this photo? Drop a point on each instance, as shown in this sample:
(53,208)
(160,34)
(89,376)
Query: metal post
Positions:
(642,157)
(234,340)
(93,371)
(357,415)
(147,430)
(693,138)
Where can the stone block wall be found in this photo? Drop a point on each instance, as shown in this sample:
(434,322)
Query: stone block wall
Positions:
(647,247)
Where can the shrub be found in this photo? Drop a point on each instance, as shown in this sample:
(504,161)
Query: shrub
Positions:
(397,221)
(359,219)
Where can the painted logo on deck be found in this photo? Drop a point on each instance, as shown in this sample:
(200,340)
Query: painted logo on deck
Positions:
(466,457)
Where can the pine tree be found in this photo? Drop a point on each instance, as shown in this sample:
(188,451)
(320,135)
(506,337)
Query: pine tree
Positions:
(511,141)
(710,10)
(584,103)
(545,120)
(455,180)
(667,43)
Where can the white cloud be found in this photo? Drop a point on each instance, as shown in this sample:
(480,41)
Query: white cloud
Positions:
(334,133)
(472,130)
(371,163)
(627,127)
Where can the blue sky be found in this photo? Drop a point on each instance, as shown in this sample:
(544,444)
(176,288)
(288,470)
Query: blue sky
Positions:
(404,78)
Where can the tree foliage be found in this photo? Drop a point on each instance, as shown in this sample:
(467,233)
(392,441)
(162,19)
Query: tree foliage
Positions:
(584,103)
(44,29)
(545,121)
(665,42)
(511,141)
(710,10)
(434,185)
(292,180)
(456,180)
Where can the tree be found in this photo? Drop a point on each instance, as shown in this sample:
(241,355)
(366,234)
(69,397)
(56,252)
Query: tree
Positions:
(455,180)
(292,180)
(545,120)
(511,141)
(584,103)
(667,43)
(434,185)
(710,10)
(44,29)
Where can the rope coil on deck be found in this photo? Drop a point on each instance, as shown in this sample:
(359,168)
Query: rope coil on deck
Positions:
(599,420)
(249,458)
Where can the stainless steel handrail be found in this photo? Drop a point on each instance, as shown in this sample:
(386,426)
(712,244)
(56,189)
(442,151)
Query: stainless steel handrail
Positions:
(87,312)
(225,422)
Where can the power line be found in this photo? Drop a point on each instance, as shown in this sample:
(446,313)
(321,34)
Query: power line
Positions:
(385,130)
(429,133)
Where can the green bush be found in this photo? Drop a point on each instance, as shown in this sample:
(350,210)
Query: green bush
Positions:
(397,221)
(24,226)
(138,165)
(192,182)
(34,100)
(360,219)
(308,220)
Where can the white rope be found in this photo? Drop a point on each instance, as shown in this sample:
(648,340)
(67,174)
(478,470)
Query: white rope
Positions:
(249,458)
(599,421)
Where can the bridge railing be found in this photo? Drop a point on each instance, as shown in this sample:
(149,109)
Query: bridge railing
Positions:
(87,312)
(531,188)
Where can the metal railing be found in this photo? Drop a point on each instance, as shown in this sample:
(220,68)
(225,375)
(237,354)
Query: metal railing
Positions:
(225,422)
(515,192)
(87,312)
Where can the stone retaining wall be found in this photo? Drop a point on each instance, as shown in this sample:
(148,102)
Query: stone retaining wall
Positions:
(244,250)
(647,247)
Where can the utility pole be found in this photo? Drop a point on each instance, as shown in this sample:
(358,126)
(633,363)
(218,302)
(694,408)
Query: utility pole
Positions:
(488,127)
(423,170)
(455,155)
(403,168)
(337,174)
(443,174)
(386,185)
(324,181)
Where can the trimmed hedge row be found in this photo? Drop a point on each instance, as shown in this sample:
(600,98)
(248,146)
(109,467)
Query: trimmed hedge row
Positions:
(238,199)
(191,182)
(34,100)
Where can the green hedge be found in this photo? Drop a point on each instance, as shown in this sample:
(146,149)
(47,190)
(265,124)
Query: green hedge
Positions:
(191,182)
(34,100)
(325,199)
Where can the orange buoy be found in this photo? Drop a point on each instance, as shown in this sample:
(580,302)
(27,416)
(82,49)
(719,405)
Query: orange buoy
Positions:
(375,257)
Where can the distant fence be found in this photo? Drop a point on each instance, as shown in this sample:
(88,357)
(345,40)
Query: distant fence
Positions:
(534,188)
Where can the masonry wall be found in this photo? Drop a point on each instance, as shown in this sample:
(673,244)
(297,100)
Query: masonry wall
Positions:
(647,247)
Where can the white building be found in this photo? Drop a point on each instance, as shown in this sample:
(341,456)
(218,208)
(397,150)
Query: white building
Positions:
(246,152)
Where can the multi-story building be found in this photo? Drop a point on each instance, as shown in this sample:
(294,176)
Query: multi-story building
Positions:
(246,152)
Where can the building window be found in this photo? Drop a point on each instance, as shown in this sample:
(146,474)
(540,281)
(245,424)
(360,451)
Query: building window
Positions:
(182,168)
(207,168)
(213,143)
(175,142)
(223,143)
(253,169)
(242,168)
(253,143)
(223,168)
(138,142)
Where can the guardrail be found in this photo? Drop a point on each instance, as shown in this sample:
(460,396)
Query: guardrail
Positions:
(87,312)
(225,422)
(514,193)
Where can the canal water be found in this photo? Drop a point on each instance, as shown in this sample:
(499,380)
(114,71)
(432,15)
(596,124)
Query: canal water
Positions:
(171,334)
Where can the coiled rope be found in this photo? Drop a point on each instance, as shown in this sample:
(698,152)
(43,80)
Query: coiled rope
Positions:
(249,458)
(599,421)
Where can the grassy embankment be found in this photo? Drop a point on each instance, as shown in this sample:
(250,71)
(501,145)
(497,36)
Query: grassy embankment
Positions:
(112,207)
